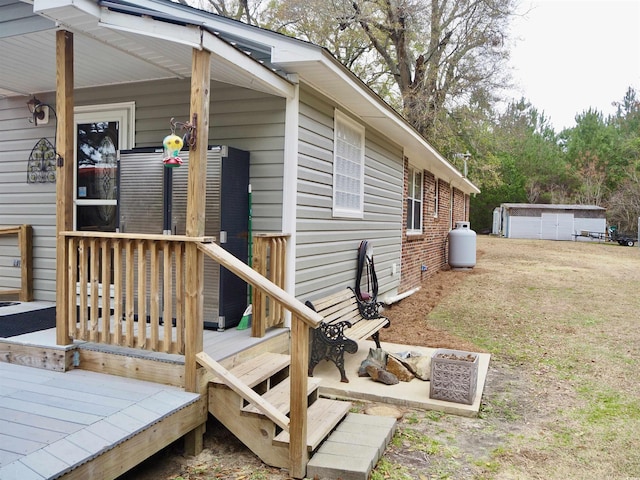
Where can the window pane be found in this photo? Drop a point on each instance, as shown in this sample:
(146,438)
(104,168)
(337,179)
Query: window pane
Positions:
(97,160)
(411,183)
(414,201)
(348,166)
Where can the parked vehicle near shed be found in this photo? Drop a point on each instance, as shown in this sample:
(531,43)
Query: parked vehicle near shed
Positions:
(624,239)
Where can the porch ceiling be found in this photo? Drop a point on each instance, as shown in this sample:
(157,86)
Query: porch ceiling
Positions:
(112,48)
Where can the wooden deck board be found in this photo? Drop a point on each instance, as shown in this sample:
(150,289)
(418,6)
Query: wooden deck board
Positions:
(47,411)
(19,470)
(77,405)
(79,415)
(31,419)
(43,463)
(52,422)
(19,430)
(21,446)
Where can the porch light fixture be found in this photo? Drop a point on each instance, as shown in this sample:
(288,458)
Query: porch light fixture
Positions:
(39,111)
(43,160)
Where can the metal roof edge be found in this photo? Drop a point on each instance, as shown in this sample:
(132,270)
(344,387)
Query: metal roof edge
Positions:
(552,206)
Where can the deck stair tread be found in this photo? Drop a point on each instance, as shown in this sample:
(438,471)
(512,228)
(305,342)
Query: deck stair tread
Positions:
(258,369)
(353,448)
(322,417)
(279,396)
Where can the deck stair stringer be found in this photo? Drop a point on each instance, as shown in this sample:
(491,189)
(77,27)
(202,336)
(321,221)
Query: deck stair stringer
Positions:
(252,401)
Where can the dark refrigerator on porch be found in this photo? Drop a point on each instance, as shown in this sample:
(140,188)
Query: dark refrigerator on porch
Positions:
(144,209)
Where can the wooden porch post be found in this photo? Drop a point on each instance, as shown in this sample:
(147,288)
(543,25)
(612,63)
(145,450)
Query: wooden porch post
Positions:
(298,455)
(196,192)
(196,202)
(64,176)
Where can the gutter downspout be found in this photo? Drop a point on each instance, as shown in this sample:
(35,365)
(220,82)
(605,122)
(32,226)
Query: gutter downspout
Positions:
(391,300)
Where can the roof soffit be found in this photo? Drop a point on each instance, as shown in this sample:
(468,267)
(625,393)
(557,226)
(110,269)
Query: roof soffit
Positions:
(142,48)
(317,68)
(312,64)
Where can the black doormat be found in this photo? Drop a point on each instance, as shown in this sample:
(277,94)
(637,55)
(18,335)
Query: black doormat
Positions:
(27,322)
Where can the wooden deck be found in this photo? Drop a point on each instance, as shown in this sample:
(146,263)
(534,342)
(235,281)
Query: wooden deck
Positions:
(77,423)
(53,422)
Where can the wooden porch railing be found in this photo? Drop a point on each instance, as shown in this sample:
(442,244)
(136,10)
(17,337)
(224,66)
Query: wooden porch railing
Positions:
(269,260)
(25,246)
(127,290)
(302,319)
(130,277)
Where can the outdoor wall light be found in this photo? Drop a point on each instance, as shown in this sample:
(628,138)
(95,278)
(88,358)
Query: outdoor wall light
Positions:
(39,111)
(42,163)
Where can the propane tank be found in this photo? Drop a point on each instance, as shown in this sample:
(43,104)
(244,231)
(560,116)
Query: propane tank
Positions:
(462,246)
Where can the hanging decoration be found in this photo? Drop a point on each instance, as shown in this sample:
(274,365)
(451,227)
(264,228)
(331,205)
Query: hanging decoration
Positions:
(41,167)
(172,143)
(43,160)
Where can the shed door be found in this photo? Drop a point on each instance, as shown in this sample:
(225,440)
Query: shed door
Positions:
(557,226)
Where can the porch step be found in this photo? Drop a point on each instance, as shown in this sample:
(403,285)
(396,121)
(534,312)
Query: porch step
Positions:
(263,368)
(322,417)
(352,451)
(279,396)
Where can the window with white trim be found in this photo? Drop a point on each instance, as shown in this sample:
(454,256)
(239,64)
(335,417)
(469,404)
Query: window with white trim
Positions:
(348,167)
(100,132)
(436,196)
(414,201)
(451,200)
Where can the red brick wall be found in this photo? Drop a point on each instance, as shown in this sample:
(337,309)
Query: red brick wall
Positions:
(430,248)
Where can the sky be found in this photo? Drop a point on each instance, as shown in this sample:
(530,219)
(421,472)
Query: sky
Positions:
(571,55)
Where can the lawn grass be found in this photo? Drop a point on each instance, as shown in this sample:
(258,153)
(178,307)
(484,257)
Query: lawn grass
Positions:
(564,318)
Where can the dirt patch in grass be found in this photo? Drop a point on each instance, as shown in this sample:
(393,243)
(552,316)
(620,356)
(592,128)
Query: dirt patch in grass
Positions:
(561,399)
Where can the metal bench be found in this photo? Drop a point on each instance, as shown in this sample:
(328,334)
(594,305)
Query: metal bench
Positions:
(346,320)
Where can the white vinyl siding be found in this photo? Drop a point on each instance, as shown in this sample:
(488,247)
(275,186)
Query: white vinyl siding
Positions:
(26,203)
(240,118)
(326,248)
(348,167)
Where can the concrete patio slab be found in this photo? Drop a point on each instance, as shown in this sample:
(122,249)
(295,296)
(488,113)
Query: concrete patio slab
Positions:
(413,394)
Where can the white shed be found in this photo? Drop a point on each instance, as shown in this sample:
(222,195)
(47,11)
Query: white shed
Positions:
(552,222)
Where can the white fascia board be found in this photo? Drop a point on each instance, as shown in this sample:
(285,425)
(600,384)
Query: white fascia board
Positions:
(187,35)
(276,41)
(285,53)
(257,71)
(291,54)
(415,146)
(43,6)
(197,38)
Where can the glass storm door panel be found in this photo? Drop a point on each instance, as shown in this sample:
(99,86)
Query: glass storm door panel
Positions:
(97,176)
